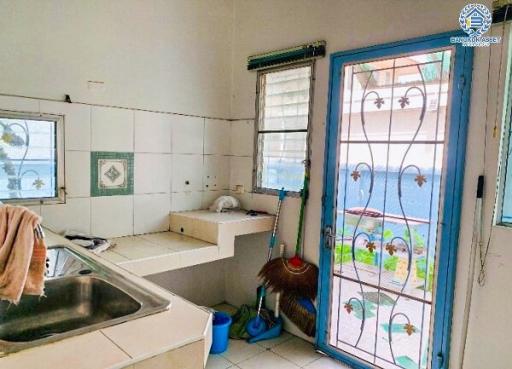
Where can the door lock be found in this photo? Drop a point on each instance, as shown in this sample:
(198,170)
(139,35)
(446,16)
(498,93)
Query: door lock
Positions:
(329,237)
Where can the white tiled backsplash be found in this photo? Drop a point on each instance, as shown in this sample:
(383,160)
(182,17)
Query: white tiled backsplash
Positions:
(180,163)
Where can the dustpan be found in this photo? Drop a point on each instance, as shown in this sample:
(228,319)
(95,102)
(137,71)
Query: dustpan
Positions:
(272,332)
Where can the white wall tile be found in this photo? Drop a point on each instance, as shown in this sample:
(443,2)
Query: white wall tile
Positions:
(217,137)
(152,132)
(152,173)
(75,215)
(242,138)
(187,135)
(187,173)
(157,172)
(112,129)
(78,173)
(77,123)
(19,104)
(216,172)
(151,213)
(261,202)
(241,172)
(182,201)
(112,216)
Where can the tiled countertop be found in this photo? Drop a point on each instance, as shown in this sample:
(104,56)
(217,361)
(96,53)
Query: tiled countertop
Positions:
(197,237)
(235,216)
(220,228)
(122,345)
(159,252)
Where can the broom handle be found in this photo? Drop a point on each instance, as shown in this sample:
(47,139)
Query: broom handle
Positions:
(278,294)
(304,195)
(273,237)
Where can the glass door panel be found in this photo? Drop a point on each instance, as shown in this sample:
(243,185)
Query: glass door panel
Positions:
(393,116)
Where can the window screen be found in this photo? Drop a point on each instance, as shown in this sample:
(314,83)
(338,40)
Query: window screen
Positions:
(282,128)
(506,206)
(504,201)
(28,157)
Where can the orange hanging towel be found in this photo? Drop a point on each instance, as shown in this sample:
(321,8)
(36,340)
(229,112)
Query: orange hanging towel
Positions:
(22,254)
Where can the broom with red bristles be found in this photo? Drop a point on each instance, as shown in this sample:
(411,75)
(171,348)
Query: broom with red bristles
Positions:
(295,278)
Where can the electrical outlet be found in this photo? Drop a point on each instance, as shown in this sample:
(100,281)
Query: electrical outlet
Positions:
(239,189)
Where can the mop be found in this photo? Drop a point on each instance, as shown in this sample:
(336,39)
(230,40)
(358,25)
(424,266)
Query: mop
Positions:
(275,325)
(256,326)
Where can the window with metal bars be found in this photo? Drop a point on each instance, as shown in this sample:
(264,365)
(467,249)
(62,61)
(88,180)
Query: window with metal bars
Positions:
(282,121)
(31,158)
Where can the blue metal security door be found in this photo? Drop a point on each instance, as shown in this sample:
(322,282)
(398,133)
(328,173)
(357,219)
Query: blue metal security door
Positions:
(395,145)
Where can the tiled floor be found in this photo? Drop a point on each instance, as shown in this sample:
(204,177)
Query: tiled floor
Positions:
(284,352)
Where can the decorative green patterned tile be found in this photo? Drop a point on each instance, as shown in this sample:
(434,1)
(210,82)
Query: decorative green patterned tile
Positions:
(111,173)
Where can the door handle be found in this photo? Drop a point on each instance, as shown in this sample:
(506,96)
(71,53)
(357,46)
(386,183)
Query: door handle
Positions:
(329,237)
(440,359)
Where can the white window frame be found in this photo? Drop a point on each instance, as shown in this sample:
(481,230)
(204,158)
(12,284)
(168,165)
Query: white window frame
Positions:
(256,170)
(505,96)
(60,197)
(503,164)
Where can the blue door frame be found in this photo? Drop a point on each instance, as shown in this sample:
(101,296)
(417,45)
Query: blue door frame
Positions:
(452,193)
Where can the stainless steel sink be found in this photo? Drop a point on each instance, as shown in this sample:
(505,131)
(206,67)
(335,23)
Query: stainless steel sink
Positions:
(80,296)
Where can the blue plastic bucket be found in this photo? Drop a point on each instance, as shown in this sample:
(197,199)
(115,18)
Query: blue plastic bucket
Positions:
(221,324)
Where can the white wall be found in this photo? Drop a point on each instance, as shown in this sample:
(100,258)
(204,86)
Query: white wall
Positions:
(160,55)
(202,284)
(493,301)
(169,56)
(268,25)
